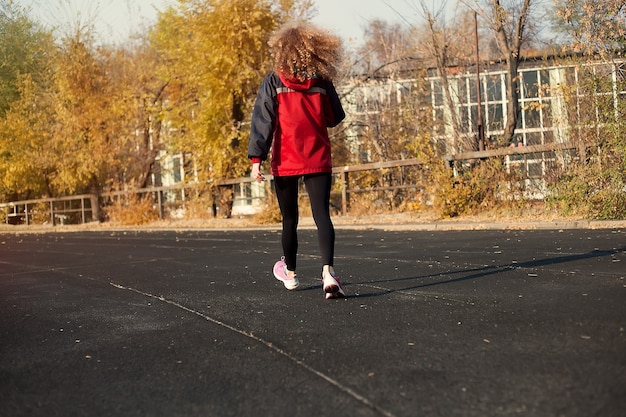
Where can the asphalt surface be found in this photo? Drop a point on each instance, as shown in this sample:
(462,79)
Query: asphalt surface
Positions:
(192,323)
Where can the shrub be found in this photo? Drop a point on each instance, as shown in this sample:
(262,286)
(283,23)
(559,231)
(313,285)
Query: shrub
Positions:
(134,210)
(483,186)
(198,206)
(596,187)
(589,191)
(270,214)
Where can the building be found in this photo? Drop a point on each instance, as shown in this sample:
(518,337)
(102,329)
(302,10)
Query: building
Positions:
(559,100)
(553,95)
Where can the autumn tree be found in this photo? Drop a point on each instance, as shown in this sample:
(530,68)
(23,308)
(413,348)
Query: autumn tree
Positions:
(391,121)
(386,54)
(94,117)
(214,56)
(56,133)
(26,54)
(594,27)
(27,161)
(136,114)
(509,26)
(448,41)
(25,48)
(437,41)
(387,49)
(83,130)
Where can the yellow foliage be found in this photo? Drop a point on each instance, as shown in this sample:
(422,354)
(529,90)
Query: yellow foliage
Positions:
(27,162)
(136,210)
(215,56)
(484,186)
(270,214)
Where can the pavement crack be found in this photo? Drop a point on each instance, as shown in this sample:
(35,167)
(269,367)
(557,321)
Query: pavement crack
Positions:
(34,269)
(358,397)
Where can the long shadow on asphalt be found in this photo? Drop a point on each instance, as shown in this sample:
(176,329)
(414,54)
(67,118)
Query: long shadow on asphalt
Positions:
(482,272)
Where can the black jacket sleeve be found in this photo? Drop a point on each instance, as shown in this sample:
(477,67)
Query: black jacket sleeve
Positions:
(335,103)
(263,120)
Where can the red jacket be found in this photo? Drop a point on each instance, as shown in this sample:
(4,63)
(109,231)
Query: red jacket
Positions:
(291,118)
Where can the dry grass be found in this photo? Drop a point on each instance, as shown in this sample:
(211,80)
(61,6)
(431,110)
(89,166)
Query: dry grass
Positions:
(270,214)
(133,211)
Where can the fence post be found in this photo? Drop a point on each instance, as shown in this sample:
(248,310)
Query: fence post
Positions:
(52,213)
(94,202)
(160,203)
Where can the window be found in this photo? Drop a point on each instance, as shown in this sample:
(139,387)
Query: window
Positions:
(546,110)
(494,88)
(530,84)
(157,175)
(176,170)
(473,118)
(532,116)
(462,90)
(533,138)
(495,117)
(473,96)
(543,86)
(437,93)
(534,169)
(439,120)
(243,194)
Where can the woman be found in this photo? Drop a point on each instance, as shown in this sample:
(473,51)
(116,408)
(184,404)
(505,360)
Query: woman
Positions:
(295,105)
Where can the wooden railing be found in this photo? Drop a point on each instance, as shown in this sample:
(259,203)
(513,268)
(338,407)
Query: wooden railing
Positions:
(521,150)
(55,210)
(84,208)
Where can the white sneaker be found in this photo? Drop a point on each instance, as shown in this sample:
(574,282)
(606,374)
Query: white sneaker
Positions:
(281,274)
(332,286)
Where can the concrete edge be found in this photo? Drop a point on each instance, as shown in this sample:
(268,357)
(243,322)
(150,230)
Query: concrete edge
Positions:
(340,224)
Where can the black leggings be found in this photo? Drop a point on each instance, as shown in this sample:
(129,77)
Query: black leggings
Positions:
(318,188)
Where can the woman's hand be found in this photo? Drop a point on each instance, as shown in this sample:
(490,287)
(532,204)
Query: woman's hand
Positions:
(256,172)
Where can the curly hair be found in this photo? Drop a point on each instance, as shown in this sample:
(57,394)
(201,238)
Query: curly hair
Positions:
(304,51)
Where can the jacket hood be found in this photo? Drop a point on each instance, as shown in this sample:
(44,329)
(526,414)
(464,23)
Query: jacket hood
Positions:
(296,84)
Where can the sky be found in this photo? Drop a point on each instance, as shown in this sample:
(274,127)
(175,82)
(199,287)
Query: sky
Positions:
(116,19)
